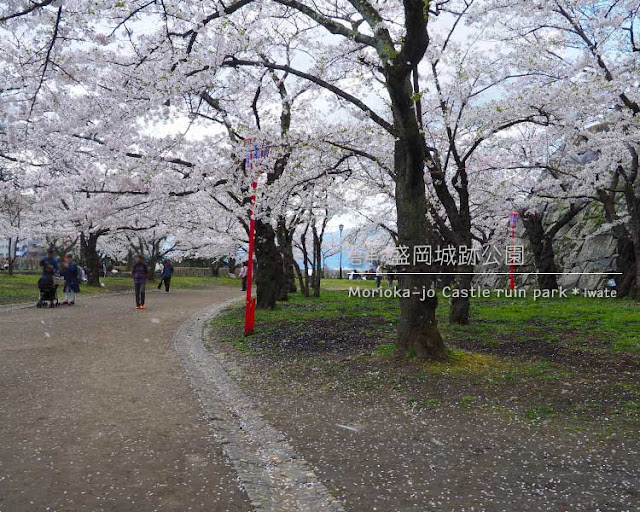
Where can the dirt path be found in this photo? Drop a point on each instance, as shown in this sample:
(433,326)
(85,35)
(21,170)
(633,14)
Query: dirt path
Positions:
(97,414)
(355,428)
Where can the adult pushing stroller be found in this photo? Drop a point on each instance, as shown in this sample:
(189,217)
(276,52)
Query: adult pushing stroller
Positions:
(48,292)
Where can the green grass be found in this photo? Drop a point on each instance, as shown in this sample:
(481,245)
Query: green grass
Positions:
(573,320)
(539,413)
(475,379)
(613,323)
(344,284)
(21,288)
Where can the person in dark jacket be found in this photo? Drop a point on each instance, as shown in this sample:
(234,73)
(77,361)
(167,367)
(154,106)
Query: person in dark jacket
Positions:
(140,272)
(71,276)
(50,259)
(167,272)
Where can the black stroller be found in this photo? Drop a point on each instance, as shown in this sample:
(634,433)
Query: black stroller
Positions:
(48,292)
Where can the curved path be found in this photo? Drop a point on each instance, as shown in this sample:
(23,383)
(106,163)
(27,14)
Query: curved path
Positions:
(96,413)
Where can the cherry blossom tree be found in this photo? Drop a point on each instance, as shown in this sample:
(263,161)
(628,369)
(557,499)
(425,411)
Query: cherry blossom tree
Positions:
(584,57)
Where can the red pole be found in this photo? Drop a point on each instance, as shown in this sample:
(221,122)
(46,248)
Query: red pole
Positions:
(250,309)
(512,280)
(513,220)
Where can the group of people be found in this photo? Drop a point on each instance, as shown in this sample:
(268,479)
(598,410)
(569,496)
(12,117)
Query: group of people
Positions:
(380,273)
(72,273)
(67,269)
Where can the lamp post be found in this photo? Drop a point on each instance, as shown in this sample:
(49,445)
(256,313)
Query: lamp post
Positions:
(341,227)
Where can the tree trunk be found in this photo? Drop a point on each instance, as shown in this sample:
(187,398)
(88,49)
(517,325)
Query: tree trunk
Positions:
(269,279)
(303,289)
(89,253)
(543,253)
(461,306)
(233,264)
(417,326)
(634,290)
(317,260)
(304,283)
(154,257)
(285,243)
(13,255)
(633,208)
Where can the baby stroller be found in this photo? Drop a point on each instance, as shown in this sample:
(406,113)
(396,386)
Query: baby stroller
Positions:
(48,292)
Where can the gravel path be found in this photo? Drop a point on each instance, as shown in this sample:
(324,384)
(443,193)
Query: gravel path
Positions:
(97,414)
(274,476)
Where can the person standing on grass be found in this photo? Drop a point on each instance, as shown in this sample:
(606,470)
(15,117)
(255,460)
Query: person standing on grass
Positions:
(140,273)
(71,275)
(378,275)
(243,275)
(167,272)
(390,276)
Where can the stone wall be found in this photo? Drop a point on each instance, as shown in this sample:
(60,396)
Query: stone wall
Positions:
(579,247)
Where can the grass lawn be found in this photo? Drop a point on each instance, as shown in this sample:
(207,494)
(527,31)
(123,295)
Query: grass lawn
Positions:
(21,288)
(574,359)
(576,321)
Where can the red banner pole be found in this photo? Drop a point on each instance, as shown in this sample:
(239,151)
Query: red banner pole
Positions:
(250,308)
(513,221)
(512,280)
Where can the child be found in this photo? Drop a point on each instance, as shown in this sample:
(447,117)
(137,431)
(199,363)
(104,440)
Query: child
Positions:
(140,273)
(71,281)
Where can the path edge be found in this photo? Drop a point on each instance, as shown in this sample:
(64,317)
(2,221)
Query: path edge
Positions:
(274,476)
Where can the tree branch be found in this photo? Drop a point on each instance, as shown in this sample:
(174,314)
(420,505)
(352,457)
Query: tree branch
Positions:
(231,61)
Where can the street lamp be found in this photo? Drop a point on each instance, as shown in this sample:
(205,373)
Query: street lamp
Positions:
(341,227)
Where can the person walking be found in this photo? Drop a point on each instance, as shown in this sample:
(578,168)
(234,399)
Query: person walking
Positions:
(243,275)
(71,275)
(140,273)
(167,272)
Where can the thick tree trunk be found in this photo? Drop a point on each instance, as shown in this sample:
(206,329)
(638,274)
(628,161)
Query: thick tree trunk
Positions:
(285,243)
(543,253)
(417,326)
(89,253)
(269,279)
